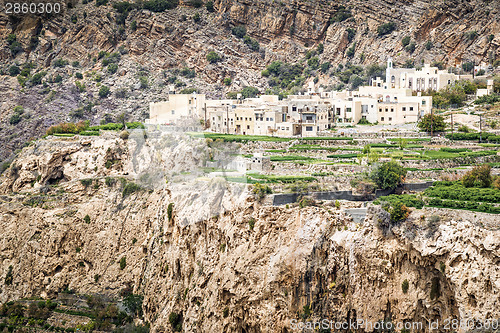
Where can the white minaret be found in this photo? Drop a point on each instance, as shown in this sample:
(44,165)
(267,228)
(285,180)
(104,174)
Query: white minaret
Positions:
(388,71)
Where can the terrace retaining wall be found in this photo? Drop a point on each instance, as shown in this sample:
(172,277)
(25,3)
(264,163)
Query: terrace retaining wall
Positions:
(289,198)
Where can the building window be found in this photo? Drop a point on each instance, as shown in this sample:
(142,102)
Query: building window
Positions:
(404,108)
(267,119)
(411,108)
(390,118)
(392,109)
(382,119)
(309,128)
(423,102)
(349,109)
(386,110)
(309,117)
(380,110)
(173,111)
(248,126)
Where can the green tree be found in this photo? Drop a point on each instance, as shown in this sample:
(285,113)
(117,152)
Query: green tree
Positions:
(388,175)
(249,92)
(406,40)
(435,121)
(210,6)
(228,81)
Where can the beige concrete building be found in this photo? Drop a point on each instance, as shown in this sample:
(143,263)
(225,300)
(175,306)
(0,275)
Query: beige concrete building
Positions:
(177,109)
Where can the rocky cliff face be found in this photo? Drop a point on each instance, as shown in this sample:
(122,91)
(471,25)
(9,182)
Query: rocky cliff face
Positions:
(68,219)
(153,45)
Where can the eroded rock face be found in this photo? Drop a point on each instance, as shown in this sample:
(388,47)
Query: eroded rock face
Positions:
(250,268)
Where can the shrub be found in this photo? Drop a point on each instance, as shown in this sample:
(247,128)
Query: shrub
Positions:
(187,73)
(225,313)
(170,211)
(86,219)
(124,135)
(479,175)
(60,63)
(9,277)
(388,175)
(471,35)
(228,81)
(406,41)
(399,212)
(14,70)
(210,6)
(37,78)
(239,31)
(252,43)
(351,33)
(428,45)
(121,93)
(130,188)
(160,5)
(442,267)
(404,286)
(80,87)
(197,18)
(112,68)
(386,28)
(133,25)
(123,263)
(411,47)
(175,321)
(251,223)
(15,119)
(325,67)
(104,91)
(341,15)
(261,190)
(143,81)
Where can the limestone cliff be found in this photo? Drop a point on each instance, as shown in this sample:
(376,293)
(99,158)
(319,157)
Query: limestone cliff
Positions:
(246,268)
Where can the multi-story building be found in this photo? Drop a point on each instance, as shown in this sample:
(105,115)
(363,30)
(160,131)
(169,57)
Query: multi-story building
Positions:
(177,110)
(426,78)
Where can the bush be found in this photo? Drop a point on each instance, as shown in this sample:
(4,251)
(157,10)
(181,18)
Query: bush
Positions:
(210,6)
(239,31)
(160,5)
(15,119)
(252,43)
(398,212)
(130,188)
(143,81)
(112,68)
(428,45)
(170,211)
(14,70)
(60,63)
(104,91)
(411,47)
(341,15)
(388,175)
(261,190)
(123,263)
(406,41)
(197,18)
(479,176)
(325,67)
(175,321)
(37,78)
(386,28)
(86,219)
(228,81)
(9,277)
(404,286)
